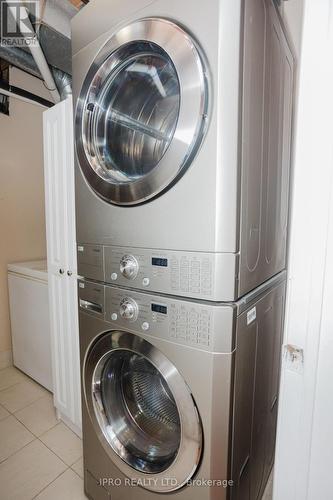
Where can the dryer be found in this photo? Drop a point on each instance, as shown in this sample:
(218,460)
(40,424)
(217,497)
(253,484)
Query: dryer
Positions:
(182,163)
(179,397)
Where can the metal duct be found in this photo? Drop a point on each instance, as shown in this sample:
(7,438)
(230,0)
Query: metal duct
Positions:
(20,59)
(23,60)
(35,63)
(28,32)
(54,31)
(63,82)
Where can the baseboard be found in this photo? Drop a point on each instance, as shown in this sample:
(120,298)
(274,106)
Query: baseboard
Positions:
(69,424)
(6,359)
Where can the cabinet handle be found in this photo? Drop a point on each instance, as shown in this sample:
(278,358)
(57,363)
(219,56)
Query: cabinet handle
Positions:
(69,273)
(61,271)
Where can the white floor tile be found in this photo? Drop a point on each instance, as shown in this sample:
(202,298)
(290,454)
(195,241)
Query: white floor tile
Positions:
(64,443)
(39,417)
(29,471)
(78,467)
(21,395)
(3,413)
(11,376)
(68,486)
(13,436)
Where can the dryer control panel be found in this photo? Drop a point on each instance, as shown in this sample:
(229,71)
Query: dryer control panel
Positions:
(170,272)
(198,324)
(187,274)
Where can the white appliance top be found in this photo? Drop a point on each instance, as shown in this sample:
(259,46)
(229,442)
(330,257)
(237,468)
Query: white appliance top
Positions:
(33,269)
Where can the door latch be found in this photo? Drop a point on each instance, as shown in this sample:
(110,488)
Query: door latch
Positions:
(294,358)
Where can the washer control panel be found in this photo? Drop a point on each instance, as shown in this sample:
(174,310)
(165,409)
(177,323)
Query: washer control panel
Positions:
(204,325)
(187,274)
(164,317)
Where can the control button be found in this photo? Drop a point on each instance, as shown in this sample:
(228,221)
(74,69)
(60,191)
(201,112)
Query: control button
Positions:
(145,281)
(114,316)
(129,267)
(129,309)
(145,325)
(114,276)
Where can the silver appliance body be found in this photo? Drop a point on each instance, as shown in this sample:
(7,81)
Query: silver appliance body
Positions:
(182,164)
(179,397)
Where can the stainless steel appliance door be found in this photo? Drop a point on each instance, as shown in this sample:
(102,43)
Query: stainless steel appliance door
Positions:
(142,112)
(142,411)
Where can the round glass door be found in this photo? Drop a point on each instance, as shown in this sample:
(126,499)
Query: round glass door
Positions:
(134,118)
(142,112)
(142,411)
(143,422)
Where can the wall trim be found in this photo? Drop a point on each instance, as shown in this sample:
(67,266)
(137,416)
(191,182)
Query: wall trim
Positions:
(6,359)
(305,405)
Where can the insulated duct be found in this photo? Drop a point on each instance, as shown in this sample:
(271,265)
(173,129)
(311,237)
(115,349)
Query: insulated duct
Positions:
(24,61)
(63,82)
(35,49)
(20,59)
(32,60)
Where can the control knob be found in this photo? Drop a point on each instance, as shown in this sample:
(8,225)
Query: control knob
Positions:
(129,267)
(129,309)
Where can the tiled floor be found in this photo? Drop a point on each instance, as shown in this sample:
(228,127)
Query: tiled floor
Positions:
(40,458)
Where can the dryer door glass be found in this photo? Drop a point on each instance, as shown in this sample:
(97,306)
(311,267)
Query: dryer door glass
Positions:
(135,115)
(141,113)
(142,411)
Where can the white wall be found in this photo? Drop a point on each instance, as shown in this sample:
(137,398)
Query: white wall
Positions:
(292,14)
(303,468)
(22,223)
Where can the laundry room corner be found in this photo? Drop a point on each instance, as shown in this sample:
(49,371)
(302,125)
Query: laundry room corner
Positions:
(166,249)
(21,192)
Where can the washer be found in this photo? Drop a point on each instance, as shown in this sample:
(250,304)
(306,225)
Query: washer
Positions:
(175,191)
(175,402)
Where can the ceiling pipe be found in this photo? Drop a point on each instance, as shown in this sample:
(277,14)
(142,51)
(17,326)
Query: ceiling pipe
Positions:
(37,53)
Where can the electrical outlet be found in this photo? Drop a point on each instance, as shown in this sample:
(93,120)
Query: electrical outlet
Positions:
(293,358)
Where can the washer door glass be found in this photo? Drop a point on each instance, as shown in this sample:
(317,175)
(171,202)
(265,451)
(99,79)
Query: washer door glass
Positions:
(142,411)
(141,113)
(142,416)
(135,115)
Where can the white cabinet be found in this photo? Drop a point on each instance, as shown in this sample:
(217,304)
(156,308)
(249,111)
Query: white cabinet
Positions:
(61,256)
(30,320)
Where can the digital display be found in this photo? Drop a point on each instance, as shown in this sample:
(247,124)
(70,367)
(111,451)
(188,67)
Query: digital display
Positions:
(159,309)
(158,261)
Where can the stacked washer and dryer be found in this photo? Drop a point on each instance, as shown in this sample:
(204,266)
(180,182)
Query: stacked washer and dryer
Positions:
(183,119)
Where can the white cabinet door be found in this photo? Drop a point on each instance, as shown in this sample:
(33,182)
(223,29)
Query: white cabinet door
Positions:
(61,255)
